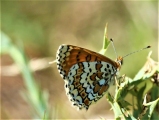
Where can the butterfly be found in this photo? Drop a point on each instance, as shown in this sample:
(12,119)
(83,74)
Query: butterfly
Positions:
(87,74)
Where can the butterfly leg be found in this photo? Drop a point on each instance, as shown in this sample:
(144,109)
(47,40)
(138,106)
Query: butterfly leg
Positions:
(119,80)
(116,82)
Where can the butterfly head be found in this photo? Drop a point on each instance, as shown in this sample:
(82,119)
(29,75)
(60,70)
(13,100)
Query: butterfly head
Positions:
(119,61)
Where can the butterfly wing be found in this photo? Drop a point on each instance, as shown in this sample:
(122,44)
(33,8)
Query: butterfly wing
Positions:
(68,55)
(86,84)
(87,74)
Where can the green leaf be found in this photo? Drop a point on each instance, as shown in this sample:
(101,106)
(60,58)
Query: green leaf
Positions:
(125,104)
(152,106)
(148,109)
(130,117)
(139,97)
(106,42)
(148,69)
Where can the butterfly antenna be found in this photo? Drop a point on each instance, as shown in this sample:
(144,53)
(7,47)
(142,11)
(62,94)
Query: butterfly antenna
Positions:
(137,51)
(114,47)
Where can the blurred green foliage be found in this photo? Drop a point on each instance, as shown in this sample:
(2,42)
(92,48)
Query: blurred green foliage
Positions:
(37,99)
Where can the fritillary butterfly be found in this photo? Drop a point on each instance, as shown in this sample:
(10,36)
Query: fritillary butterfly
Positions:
(87,74)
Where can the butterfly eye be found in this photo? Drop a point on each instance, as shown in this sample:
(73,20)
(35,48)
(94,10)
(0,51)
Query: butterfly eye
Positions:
(121,62)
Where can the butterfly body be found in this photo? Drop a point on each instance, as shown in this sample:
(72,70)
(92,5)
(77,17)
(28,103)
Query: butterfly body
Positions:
(87,74)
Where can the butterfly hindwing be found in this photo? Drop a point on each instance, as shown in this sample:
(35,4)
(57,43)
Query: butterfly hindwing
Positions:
(86,83)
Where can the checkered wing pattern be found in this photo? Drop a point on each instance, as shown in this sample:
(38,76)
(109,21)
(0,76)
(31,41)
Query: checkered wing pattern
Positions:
(87,74)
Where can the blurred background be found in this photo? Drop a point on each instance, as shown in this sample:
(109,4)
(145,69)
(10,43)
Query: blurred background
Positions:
(32,32)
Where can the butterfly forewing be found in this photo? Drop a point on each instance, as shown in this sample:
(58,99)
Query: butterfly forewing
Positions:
(87,74)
